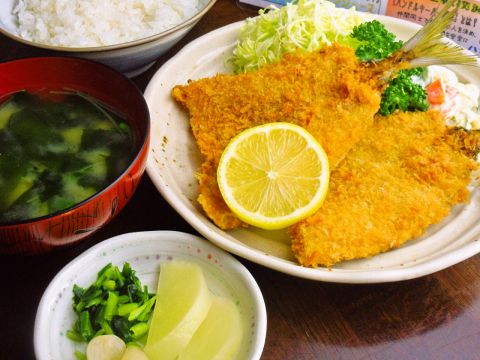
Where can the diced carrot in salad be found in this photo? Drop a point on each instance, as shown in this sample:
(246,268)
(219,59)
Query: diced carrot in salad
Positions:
(458,102)
(435,93)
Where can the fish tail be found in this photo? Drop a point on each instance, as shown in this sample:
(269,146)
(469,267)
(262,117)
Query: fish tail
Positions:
(428,47)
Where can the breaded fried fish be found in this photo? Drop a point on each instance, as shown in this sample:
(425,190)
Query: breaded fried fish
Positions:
(391,177)
(404,176)
(328,92)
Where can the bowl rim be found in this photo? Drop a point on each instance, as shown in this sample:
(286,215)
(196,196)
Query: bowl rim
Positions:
(105,48)
(243,273)
(144,140)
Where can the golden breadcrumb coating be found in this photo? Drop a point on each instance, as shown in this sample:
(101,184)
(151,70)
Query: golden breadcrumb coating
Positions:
(327,92)
(404,175)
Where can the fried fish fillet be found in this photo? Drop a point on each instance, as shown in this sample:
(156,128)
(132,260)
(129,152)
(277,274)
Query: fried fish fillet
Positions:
(403,176)
(328,92)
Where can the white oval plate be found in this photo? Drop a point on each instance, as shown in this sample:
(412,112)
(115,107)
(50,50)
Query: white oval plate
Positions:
(174,158)
(225,276)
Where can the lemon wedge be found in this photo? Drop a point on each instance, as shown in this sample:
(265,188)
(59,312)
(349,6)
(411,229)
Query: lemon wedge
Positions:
(273,175)
(183,301)
(219,336)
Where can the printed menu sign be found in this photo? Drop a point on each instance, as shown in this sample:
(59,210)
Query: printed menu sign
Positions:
(464,30)
(371,6)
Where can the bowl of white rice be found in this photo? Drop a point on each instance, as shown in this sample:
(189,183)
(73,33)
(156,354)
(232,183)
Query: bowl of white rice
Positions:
(126,35)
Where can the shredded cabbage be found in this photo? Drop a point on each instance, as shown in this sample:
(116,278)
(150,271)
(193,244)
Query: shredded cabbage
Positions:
(307,25)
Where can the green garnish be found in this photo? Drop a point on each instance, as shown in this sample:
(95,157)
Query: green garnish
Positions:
(116,303)
(375,41)
(403,94)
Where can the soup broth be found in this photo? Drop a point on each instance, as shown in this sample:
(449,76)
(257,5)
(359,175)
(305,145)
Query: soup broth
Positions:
(56,150)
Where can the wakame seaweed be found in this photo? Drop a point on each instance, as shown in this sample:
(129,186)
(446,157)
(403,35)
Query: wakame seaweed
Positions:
(56,150)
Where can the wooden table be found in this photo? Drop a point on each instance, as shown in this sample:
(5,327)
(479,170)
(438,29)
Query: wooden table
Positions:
(434,317)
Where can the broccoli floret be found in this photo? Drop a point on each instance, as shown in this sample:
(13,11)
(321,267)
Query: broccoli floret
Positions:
(375,42)
(403,94)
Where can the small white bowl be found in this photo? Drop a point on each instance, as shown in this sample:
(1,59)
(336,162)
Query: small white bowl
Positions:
(225,276)
(131,58)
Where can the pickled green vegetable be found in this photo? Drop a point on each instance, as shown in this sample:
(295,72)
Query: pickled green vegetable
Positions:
(116,303)
(56,150)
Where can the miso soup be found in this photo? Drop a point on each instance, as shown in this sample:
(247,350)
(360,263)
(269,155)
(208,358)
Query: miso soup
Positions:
(56,150)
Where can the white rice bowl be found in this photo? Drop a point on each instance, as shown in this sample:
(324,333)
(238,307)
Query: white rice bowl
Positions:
(93,23)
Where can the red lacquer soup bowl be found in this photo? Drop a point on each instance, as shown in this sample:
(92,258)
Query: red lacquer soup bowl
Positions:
(61,74)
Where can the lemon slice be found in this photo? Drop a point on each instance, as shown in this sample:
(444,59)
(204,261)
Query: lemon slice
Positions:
(273,175)
(219,336)
(183,301)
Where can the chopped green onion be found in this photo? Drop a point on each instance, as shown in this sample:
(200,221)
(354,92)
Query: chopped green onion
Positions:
(101,275)
(123,299)
(99,314)
(86,329)
(106,328)
(94,301)
(74,336)
(99,333)
(138,330)
(126,309)
(111,305)
(143,312)
(109,284)
(121,328)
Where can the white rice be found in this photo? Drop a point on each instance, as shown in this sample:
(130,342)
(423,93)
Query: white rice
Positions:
(89,23)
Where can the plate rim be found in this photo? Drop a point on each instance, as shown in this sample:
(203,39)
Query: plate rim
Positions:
(334,275)
(157,235)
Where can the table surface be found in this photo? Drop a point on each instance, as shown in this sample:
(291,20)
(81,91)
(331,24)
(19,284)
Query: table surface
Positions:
(433,317)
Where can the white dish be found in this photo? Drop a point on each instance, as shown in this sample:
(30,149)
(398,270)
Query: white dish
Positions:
(174,158)
(131,58)
(145,251)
